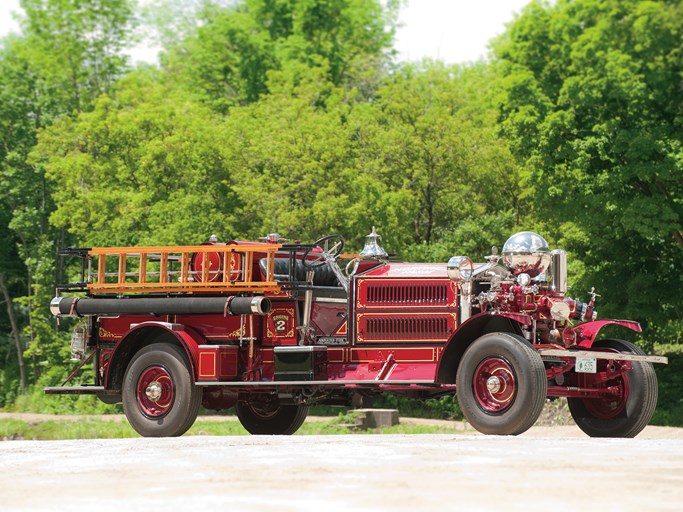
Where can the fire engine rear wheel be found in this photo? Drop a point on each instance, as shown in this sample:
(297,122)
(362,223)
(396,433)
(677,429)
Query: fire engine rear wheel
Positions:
(269,417)
(501,384)
(159,397)
(627,413)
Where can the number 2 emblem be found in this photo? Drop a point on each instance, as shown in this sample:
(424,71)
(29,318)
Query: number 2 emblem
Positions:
(281,323)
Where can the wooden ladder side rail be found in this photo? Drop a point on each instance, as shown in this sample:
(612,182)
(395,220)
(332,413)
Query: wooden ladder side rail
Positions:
(163,267)
(232,278)
(142,271)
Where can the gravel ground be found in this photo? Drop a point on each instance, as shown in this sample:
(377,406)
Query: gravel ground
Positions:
(555,467)
(341,473)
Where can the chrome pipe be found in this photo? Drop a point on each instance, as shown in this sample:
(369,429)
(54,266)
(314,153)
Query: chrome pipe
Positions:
(558,271)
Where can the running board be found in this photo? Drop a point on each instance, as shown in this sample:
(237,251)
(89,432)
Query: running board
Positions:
(94,390)
(614,356)
(74,390)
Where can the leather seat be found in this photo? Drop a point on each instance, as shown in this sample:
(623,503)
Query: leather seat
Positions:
(323,275)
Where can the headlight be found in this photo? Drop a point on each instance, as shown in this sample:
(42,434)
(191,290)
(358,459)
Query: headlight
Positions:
(460,268)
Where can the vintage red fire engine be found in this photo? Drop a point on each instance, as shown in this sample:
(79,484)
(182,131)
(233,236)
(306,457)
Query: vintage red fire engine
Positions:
(271,328)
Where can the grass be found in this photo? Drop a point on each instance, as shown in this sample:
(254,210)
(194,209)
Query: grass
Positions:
(51,430)
(91,428)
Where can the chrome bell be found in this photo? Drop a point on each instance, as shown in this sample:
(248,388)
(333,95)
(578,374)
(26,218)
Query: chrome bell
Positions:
(373,247)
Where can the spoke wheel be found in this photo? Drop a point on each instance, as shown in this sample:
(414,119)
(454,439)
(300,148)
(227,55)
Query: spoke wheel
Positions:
(612,407)
(159,395)
(494,384)
(155,391)
(501,384)
(267,416)
(626,413)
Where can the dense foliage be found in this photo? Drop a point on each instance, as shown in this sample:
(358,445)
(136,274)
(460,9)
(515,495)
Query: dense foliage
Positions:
(293,116)
(592,108)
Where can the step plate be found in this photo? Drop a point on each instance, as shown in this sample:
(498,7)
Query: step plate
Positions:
(74,390)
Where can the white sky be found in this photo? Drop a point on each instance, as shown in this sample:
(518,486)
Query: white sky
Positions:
(455,31)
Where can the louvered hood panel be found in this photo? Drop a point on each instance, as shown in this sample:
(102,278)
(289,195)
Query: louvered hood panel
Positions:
(397,327)
(405,310)
(408,293)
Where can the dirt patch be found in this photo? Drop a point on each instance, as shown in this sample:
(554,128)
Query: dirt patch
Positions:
(555,413)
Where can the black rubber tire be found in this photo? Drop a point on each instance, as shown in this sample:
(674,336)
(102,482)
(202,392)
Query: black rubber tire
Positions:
(271,418)
(640,404)
(183,408)
(524,367)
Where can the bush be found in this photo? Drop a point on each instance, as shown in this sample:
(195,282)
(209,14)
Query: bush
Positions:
(444,408)
(669,410)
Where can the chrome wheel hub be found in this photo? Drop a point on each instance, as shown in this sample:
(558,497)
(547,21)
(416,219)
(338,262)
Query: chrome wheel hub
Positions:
(153,391)
(493,384)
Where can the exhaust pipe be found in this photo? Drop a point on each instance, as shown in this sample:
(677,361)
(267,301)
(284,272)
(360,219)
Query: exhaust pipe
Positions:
(558,271)
(75,307)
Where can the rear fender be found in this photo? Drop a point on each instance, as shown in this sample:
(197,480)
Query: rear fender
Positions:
(584,335)
(146,333)
(468,332)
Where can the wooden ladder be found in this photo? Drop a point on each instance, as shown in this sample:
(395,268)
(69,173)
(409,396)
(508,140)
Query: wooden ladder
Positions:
(198,269)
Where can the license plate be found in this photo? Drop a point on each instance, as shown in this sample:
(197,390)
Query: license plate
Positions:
(586,365)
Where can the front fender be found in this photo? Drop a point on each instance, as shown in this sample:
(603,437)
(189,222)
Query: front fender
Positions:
(468,332)
(584,335)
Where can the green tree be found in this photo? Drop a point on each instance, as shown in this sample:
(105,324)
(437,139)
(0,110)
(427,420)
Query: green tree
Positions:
(592,106)
(429,137)
(417,161)
(227,61)
(292,159)
(340,32)
(143,167)
(67,54)
(76,49)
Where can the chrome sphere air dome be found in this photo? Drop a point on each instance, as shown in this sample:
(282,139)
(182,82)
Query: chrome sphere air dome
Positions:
(526,252)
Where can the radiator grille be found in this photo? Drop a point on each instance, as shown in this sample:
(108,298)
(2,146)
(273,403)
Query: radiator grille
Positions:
(407,328)
(432,294)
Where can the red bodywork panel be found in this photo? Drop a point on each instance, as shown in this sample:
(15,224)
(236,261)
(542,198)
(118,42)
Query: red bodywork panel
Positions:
(393,308)
(413,271)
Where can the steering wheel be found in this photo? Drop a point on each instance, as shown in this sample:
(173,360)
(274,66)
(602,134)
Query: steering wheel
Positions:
(321,257)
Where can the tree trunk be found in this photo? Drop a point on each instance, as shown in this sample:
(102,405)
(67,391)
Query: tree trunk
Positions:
(679,238)
(15,332)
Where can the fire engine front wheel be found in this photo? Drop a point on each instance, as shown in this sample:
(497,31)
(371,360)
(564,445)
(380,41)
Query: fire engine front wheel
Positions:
(159,397)
(501,384)
(631,406)
(268,416)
